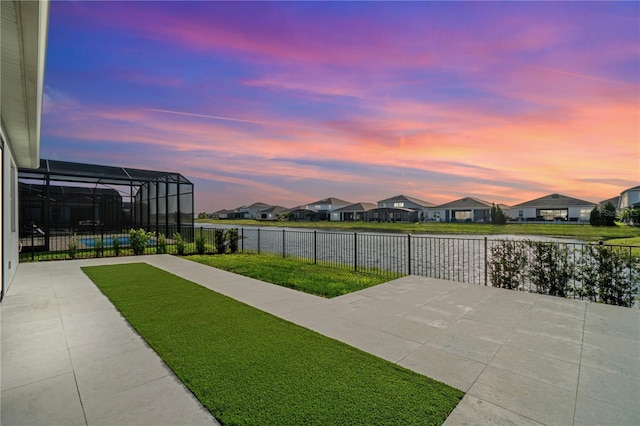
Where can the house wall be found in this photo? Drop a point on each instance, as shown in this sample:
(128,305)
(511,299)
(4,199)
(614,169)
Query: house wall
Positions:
(399,204)
(629,198)
(582,213)
(9,204)
(435,215)
(523,213)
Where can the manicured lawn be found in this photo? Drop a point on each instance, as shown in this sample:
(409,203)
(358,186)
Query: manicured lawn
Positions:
(635,241)
(250,368)
(315,279)
(582,232)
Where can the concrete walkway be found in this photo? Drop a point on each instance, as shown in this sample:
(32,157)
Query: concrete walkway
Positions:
(68,357)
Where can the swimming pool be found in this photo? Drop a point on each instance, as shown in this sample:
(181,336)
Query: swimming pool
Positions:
(90,242)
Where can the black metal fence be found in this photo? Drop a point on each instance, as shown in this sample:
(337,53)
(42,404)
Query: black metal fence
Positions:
(576,270)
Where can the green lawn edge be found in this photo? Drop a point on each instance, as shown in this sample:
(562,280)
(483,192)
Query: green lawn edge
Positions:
(248,367)
(320,280)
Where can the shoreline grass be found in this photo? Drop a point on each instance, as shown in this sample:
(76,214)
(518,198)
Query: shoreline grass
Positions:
(248,367)
(581,232)
(320,280)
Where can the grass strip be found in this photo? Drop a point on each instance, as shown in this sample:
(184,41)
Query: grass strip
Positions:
(248,367)
(581,232)
(320,280)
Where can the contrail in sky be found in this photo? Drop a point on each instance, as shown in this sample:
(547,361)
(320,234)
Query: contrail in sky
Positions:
(240,120)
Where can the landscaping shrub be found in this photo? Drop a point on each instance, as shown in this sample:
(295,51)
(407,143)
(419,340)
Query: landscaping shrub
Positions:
(73,246)
(507,262)
(609,275)
(138,240)
(219,240)
(97,246)
(497,215)
(180,244)
(162,244)
(603,216)
(232,237)
(200,243)
(550,268)
(116,245)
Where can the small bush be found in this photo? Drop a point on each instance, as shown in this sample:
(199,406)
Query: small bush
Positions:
(180,244)
(219,239)
(138,240)
(550,268)
(603,216)
(507,263)
(116,245)
(232,237)
(609,275)
(74,243)
(497,215)
(97,246)
(162,244)
(200,244)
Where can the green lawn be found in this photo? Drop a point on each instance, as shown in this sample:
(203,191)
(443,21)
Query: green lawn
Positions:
(250,368)
(315,279)
(635,241)
(582,232)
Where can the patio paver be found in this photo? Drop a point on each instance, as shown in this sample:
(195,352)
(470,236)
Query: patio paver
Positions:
(522,358)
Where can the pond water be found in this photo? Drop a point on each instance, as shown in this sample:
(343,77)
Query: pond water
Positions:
(453,257)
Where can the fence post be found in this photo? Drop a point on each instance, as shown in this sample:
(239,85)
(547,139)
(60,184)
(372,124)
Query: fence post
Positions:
(258,240)
(485,261)
(315,247)
(32,247)
(409,252)
(102,238)
(355,251)
(283,250)
(242,238)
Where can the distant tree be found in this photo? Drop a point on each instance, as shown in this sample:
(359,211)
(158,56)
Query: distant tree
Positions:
(202,215)
(594,218)
(603,216)
(497,215)
(608,215)
(631,215)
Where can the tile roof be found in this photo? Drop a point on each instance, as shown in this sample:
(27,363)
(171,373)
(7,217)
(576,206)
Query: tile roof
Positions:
(555,201)
(401,197)
(467,203)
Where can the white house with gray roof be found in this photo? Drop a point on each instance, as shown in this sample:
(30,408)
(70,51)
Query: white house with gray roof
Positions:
(399,208)
(629,198)
(23,42)
(324,208)
(354,212)
(466,209)
(553,207)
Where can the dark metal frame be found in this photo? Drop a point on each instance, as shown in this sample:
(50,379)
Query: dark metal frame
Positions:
(152,194)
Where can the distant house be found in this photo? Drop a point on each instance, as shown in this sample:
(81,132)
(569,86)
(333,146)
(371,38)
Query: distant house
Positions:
(272,213)
(354,212)
(323,209)
(301,213)
(553,207)
(615,201)
(248,212)
(220,214)
(399,208)
(629,198)
(466,209)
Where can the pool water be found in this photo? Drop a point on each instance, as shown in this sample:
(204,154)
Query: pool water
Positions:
(108,241)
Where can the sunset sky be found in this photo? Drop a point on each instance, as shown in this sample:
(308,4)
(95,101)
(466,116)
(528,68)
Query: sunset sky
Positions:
(290,102)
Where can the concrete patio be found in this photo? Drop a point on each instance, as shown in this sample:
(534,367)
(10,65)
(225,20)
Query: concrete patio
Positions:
(68,357)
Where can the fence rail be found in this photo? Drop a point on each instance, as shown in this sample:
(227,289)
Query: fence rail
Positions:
(577,270)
